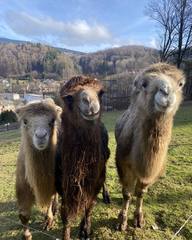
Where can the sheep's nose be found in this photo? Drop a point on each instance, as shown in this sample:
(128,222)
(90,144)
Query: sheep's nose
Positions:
(164,89)
(94,108)
(41,133)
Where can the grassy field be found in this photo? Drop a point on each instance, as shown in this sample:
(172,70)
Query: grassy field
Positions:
(167,205)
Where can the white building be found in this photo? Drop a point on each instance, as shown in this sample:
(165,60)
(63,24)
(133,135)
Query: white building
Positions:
(29,97)
(11,96)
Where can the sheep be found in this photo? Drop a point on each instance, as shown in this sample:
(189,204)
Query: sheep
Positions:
(35,163)
(143,134)
(82,152)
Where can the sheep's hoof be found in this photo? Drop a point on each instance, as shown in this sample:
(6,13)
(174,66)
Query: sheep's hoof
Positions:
(48,224)
(122,225)
(83,235)
(106,197)
(27,235)
(139,221)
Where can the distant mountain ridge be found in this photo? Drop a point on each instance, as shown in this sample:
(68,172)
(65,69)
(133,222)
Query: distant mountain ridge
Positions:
(64,50)
(7,40)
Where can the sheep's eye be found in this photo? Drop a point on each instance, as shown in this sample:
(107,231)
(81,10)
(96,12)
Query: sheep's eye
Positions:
(180,84)
(100,93)
(144,84)
(25,121)
(85,100)
(51,123)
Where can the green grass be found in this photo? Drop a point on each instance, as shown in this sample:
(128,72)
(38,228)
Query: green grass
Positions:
(168,203)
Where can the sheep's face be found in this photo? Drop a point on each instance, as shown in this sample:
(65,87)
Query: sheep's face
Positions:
(159,93)
(89,104)
(39,130)
(86,103)
(38,122)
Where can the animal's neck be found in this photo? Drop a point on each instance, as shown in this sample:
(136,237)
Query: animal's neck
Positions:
(81,150)
(86,133)
(157,127)
(155,138)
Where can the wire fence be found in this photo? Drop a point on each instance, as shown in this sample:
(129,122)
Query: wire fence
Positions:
(51,236)
(179,230)
(31,228)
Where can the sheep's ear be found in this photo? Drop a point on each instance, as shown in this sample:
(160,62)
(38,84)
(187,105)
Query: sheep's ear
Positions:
(136,85)
(101,92)
(140,83)
(49,101)
(68,100)
(59,109)
(19,112)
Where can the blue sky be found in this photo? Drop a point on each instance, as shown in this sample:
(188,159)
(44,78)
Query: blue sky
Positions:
(84,25)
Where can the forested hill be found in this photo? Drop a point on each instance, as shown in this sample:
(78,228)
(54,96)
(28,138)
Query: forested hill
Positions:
(118,60)
(37,59)
(43,61)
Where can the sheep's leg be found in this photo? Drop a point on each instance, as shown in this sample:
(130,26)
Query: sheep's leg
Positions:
(138,215)
(66,223)
(55,204)
(85,225)
(49,215)
(128,180)
(51,212)
(24,220)
(122,218)
(25,201)
(106,196)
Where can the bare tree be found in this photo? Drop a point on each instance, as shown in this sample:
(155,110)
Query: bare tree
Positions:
(162,12)
(174,19)
(183,19)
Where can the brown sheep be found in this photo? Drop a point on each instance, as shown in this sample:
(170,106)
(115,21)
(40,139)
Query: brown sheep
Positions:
(83,152)
(143,134)
(35,164)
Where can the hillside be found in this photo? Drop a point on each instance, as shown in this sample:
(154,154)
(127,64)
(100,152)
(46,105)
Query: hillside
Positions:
(36,59)
(116,61)
(64,50)
(19,58)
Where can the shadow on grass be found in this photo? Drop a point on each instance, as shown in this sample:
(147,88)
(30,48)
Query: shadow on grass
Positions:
(170,197)
(8,220)
(109,223)
(11,227)
(164,220)
(8,206)
(114,201)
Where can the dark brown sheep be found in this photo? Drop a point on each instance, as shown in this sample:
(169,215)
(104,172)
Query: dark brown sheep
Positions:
(82,152)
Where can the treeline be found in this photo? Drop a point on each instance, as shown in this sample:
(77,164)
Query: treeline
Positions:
(118,60)
(8,117)
(42,61)
(39,60)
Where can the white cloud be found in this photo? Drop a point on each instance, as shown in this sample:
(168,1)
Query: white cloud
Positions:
(153,43)
(76,33)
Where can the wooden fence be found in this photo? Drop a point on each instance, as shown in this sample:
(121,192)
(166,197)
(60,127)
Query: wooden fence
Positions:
(9,126)
(117,95)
